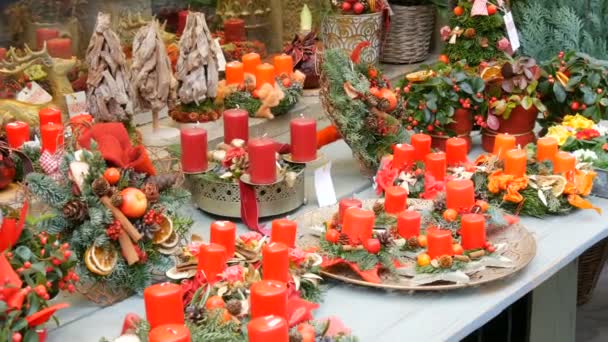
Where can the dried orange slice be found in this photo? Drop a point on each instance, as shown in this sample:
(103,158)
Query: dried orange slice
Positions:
(172,241)
(491,73)
(165,231)
(419,76)
(100,260)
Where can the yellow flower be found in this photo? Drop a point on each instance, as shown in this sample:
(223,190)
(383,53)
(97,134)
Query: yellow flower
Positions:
(577,122)
(561,133)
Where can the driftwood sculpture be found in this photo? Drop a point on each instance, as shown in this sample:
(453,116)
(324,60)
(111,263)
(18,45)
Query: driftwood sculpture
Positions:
(130,23)
(109,88)
(152,77)
(197,66)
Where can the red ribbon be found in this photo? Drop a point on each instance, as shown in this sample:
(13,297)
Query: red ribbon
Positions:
(431,187)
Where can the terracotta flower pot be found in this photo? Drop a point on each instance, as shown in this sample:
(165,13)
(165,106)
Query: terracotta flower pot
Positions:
(520,124)
(461,127)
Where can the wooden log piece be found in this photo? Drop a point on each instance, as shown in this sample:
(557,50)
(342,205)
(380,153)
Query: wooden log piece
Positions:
(127,248)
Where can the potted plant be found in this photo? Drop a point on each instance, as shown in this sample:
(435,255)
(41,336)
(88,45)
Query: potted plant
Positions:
(441,101)
(514,101)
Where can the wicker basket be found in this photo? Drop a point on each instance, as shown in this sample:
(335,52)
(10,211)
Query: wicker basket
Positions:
(101,293)
(590,265)
(410,34)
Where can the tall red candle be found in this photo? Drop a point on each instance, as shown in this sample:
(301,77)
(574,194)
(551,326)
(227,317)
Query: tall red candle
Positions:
(251,61)
(515,163)
(456,151)
(234,30)
(236,125)
(212,261)
(283,65)
(439,242)
(408,224)
(60,47)
(422,145)
(52,137)
(164,304)
(182,17)
(303,139)
(262,161)
(169,333)
(17,133)
(358,224)
(460,195)
(403,156)
(473,231)
(224,233)
(268,328)
(275,262)
(435,165)
(194,149)
(395,199)
(268,297)
(44,34)
(49,114)
(346,203)
(284,231)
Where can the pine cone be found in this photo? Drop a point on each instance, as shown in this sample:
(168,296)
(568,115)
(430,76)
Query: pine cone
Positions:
(372,100)
(75,210)
(378,208)
(344,239)
(100,187)
(295,336)
(116,199)
(194,314)
(234,307)
(151,192)
(470,33)
(385,238)
(440,202)
(445,261)
(413,242)
(148,230)
(164,181)
(383,104)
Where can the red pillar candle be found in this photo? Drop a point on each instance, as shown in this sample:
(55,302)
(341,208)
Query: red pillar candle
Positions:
(268,328)
(564,163)
(164,304)
(2,53)
(60,47)
(235,73)
(264,74)
(236,125)
(262,160)
(439,242)
(284,231)
(358,224)
(194,150)
(224,233)
(44,34)
(345,204)
(17,133)
(456,151)
(435,165)
(52,137)
(212,261)
(422,146)
(460,195)
(408,224)
(234,30)
(473,231)
(268,297)
(250,62)
(546,149)
(182,17)
(170,333)
(515,162)
(283,64)
(502,144)
(395,199)
(303,139)
(403,156)
(275,262)
(49,114)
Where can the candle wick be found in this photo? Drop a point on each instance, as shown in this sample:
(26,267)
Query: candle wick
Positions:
(172,331)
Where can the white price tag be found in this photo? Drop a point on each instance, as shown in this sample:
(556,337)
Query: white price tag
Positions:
(221,60)
(512,31)
(324,186)
(34,94)
(77,103)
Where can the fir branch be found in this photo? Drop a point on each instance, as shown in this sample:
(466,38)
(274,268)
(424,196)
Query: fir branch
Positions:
(47,189)
(311,292)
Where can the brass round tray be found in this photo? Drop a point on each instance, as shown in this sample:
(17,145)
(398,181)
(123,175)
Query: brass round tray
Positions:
(521,249)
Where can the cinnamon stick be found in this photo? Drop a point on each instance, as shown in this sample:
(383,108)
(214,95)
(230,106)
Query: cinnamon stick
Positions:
(127,226)
(128,251)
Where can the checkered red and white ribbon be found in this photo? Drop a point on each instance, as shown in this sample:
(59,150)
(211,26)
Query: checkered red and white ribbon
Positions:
(50,164)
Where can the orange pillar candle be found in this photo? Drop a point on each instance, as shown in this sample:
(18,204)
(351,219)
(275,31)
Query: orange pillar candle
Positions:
(284,231)
(564,163)
(169,333)
(17,133)
(283,64)
(49,114)
(515,162)
(460,195)
(395,199)
(546,149)
(250,62)
(456,151)
(422,146)
(264,74)
(60,47)
(346,203)
(358,224)
(275,262)
(439,242)
(51,137)
(235,73)
(212,261)
(408,224)
(268,328)
(473,231)
(435,165)
(502,144)
(164,304)
(403,156)
(224,233)
(268,297)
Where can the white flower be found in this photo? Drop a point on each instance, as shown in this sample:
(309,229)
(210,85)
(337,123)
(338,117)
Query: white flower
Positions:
(602,128)
(584,155)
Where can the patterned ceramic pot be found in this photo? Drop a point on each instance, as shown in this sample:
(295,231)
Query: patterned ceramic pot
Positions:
(347,31)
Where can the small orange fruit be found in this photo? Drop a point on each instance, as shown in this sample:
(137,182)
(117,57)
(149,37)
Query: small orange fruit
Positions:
(450,215)
(458,11)
(483,205)
(112,175)
(444,59)
(215,302)
(457,248)
(423,259)
(390,96)
(374,91)
(422,241)
(307,331)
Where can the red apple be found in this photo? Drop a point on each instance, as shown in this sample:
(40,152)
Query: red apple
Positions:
(346,6)
(372,246)
(358,8)
(134,203)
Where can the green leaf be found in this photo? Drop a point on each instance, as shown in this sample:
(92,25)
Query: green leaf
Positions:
(527,102)
(573,82)
(432,104)
(30,336)
(604,102)
(559,92)
(23,253)
(589,98)
(3,306)
(466,88)
(594,80)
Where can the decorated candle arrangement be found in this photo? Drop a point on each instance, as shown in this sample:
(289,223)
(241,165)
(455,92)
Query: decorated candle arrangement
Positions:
(403,156)
(346,203)
(408,224)
(164,304)
(262,160)
(439,242)
(284,231)
(194,150)
(17,133)
(435,165)
(283,64)
(236,125)
(564,163)
(251,62)
(60,47)
(358,224)
(275,262)
(546,149)
(268,297)
(303,139)
(268,328)
(515,162)
(456,150)
(473,231)
(460,195)
(212,261)
(395,200)
(49,114)
(170,333)
(235,73)
(264,74)
(422,146)
(224,233)
(51,137)
(502,144)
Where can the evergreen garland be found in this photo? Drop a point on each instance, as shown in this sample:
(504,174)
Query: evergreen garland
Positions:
(245,100)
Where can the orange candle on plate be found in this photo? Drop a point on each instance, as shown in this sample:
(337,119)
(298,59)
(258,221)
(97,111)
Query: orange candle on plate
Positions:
(515,163)
(408,224)
(439,242)
(224,233)
(502,144)
(164,304)
(51,137)
(546,149)
(250,62)
(212,261)
(264,74)
(268,297)
(169,333)
(284,231)
(422,146)
(456,151)
(564,163)
(345,204)
(283,64)
(275,262)
(267,329)
(49,114)
(473,231)
(403,156)
(17,133)
(395,200)
(435,165)
(460,195)
(358,224)
(235,73)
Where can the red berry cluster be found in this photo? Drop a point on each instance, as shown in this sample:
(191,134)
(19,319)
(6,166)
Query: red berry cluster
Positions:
(67,282)
(465,103)
(143,256)
(480,121)
(352,6)
(153,217)
(489,247)
(113,231)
